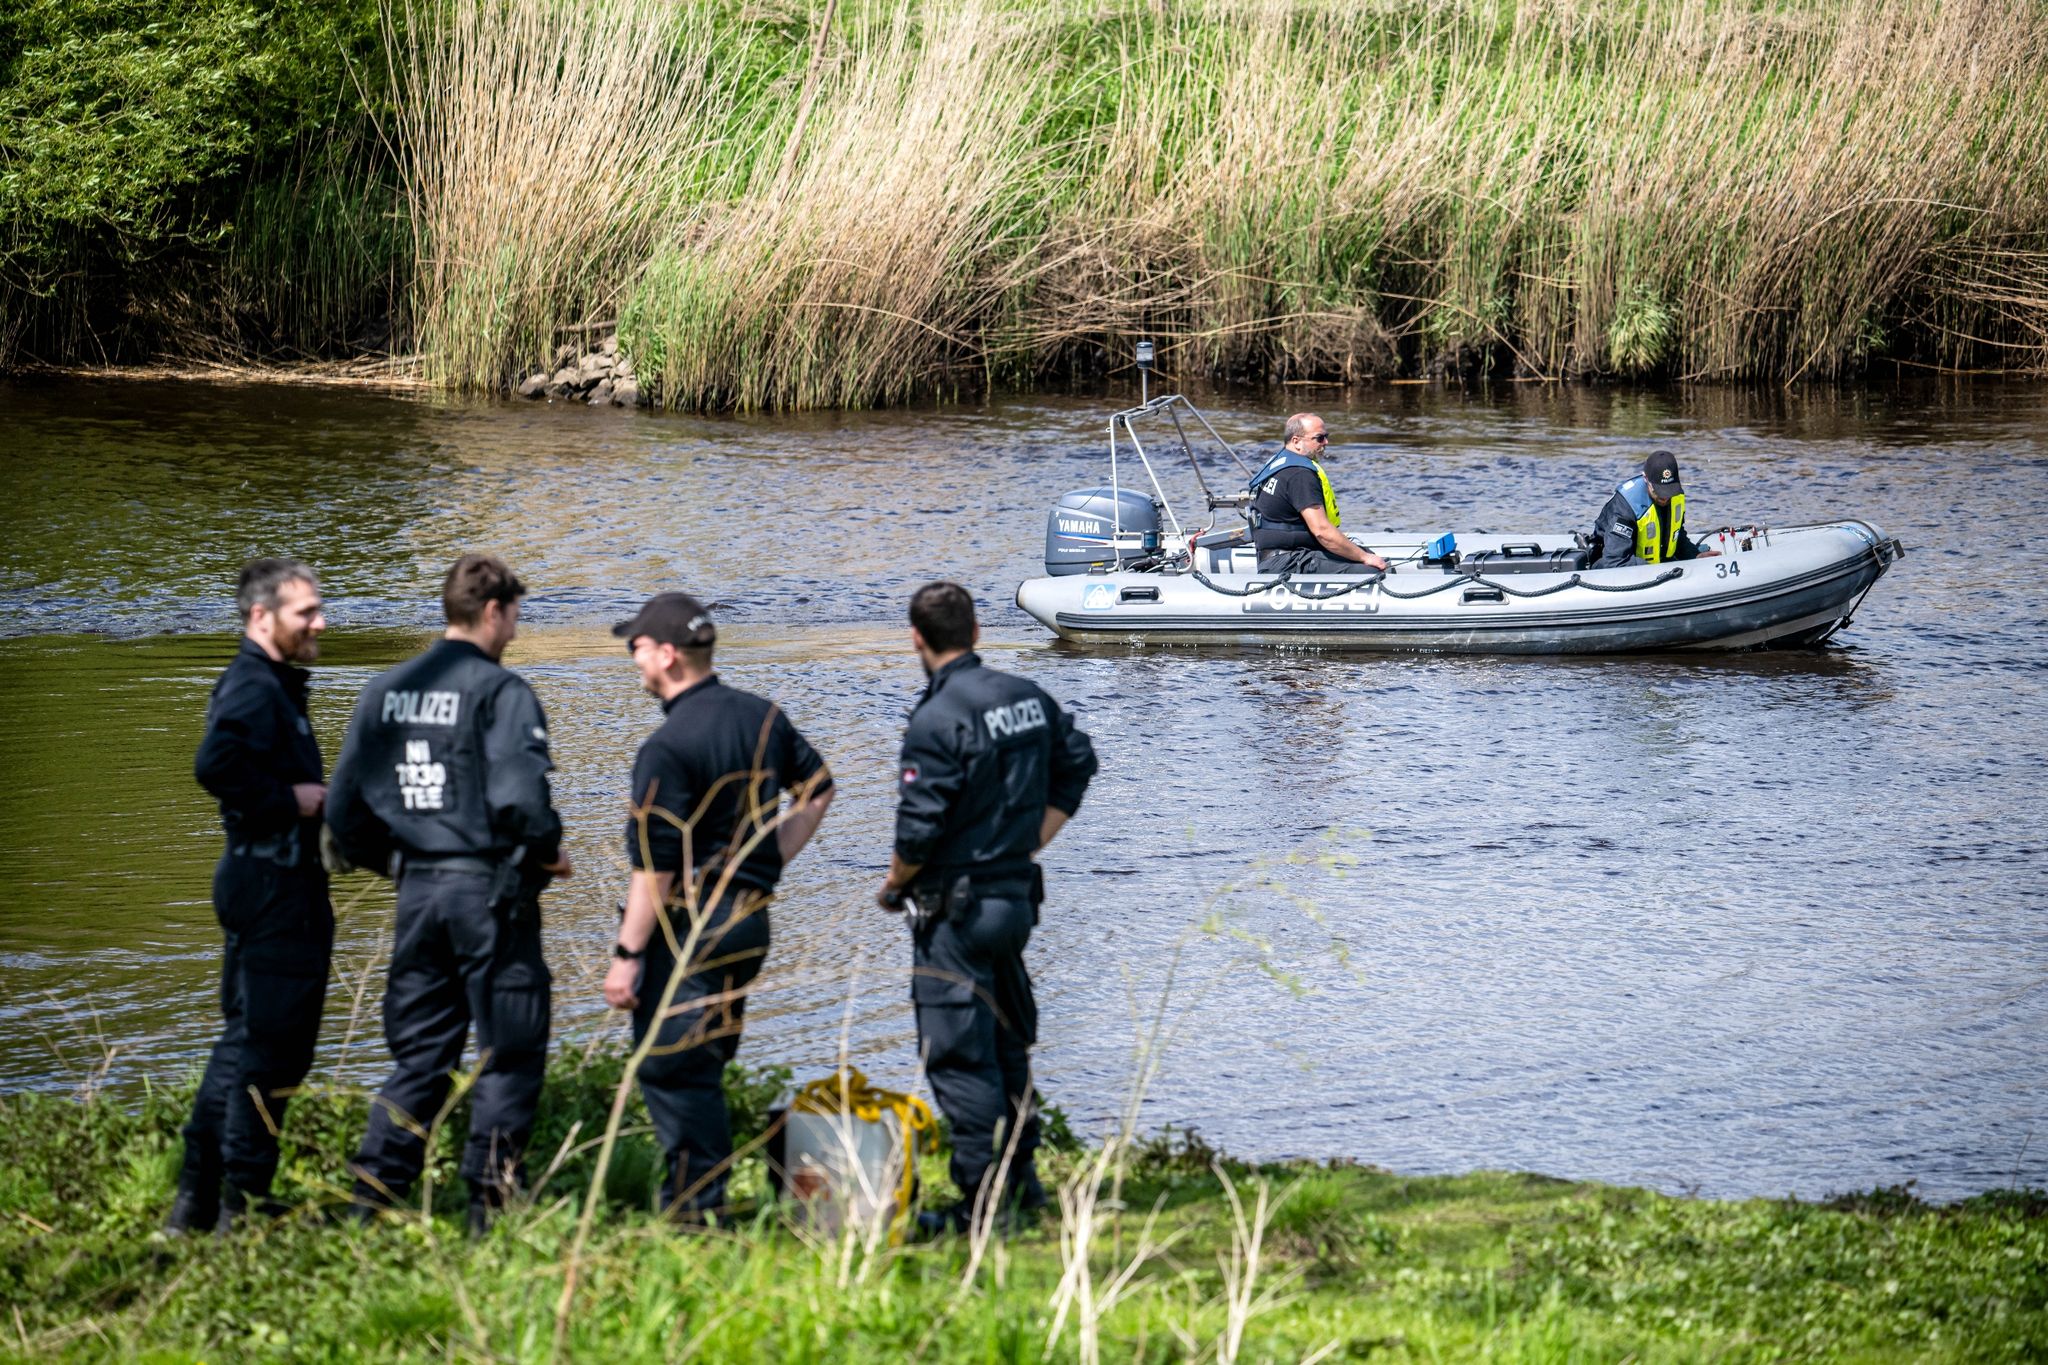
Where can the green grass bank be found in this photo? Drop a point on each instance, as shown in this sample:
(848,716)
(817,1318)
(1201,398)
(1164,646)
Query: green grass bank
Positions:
(1209,1260)
(847,202)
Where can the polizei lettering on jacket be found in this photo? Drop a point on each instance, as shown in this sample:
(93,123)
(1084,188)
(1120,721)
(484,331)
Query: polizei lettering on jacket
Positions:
(1019,717)
(421,708)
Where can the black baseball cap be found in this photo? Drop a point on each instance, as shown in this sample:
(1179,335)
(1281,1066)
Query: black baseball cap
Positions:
(1661,469)
(670,618)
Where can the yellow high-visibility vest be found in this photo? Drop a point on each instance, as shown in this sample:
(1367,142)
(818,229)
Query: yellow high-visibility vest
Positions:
(1649,548)
(1287,459)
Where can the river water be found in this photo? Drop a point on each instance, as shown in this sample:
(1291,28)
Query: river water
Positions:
(1751,924)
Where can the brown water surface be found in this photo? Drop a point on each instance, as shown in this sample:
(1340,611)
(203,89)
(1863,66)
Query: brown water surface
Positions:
(1749,924)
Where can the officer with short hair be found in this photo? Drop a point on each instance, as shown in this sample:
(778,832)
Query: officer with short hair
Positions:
(442,780)
(991,770)
(1644,521)
(261,762)
(707,837)
(1293,509)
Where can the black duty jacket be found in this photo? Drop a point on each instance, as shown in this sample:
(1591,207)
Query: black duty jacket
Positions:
(258,743)
(719,765)
(446,756)
(1614,535)
(984,755)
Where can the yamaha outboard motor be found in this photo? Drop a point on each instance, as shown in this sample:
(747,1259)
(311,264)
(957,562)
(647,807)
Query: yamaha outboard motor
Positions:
(1080,533)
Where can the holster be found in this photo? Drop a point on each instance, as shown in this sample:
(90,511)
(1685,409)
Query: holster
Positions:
(284,849)
(509,884)
(934,902)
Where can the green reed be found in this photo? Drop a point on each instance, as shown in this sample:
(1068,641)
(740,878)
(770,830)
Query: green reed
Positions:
(924,195)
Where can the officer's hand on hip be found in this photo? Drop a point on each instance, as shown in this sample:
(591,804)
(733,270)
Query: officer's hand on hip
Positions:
(560,868)
(311,796)
(890,897)
(622,984)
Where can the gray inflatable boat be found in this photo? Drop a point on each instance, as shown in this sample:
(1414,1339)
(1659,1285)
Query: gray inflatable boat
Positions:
(1121,568)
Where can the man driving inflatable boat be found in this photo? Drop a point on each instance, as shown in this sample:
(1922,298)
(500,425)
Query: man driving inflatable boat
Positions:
(1644,522)
(1294,511)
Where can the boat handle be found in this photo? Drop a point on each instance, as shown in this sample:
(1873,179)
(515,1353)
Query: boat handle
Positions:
(1528,548)
(1485,595)
(1138,595)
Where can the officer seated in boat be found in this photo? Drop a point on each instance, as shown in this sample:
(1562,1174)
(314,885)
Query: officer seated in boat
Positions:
(1644,522)
(1294,510)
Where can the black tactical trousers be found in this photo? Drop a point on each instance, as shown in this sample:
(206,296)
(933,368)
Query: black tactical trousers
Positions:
(682,1077)
(1309,564)
(279,930)
(976,1022)
(458,959)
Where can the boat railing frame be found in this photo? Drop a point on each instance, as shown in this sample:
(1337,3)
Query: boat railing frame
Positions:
(1171,405)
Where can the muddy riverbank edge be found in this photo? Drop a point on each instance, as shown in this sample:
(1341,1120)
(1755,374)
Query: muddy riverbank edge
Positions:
(1208,1258)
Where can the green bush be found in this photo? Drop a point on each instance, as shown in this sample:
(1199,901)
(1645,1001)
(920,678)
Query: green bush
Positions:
(131,131)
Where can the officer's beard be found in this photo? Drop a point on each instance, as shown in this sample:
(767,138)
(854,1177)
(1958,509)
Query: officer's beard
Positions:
(302,648)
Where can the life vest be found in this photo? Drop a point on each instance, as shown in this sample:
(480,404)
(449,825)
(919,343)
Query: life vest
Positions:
(1287,459)
(1648,549)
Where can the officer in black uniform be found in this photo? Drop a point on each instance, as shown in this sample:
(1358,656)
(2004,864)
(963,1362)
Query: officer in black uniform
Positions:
(442,781)
(260,760)
(991,770)
(708,838)
(1293,510)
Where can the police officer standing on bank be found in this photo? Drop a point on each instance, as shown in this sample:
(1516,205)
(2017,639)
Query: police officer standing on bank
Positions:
(707,837)
(260,761)
(442,781)
(991,770)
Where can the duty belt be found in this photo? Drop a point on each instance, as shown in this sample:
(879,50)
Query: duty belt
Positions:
(507,877)
(936,896)
(402,863)
(282,849)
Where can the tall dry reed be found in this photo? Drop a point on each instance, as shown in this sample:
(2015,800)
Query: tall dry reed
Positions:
(872,200)
(540,144)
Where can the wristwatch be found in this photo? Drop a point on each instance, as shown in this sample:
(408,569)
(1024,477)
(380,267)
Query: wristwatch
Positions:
(625,954)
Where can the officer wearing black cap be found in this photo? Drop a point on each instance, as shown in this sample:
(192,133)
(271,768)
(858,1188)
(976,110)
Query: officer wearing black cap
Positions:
(260,761)
(443,780)
(991,770)
(707,836)
(1644,522)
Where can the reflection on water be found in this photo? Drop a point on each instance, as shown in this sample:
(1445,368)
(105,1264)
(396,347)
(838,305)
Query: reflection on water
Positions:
(1752,923)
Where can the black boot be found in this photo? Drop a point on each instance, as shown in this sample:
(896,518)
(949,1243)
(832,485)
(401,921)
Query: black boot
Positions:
(366,1201)
(486,1202)
(704,1205)
(934,1224)
(195,1209)
(238,1204)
